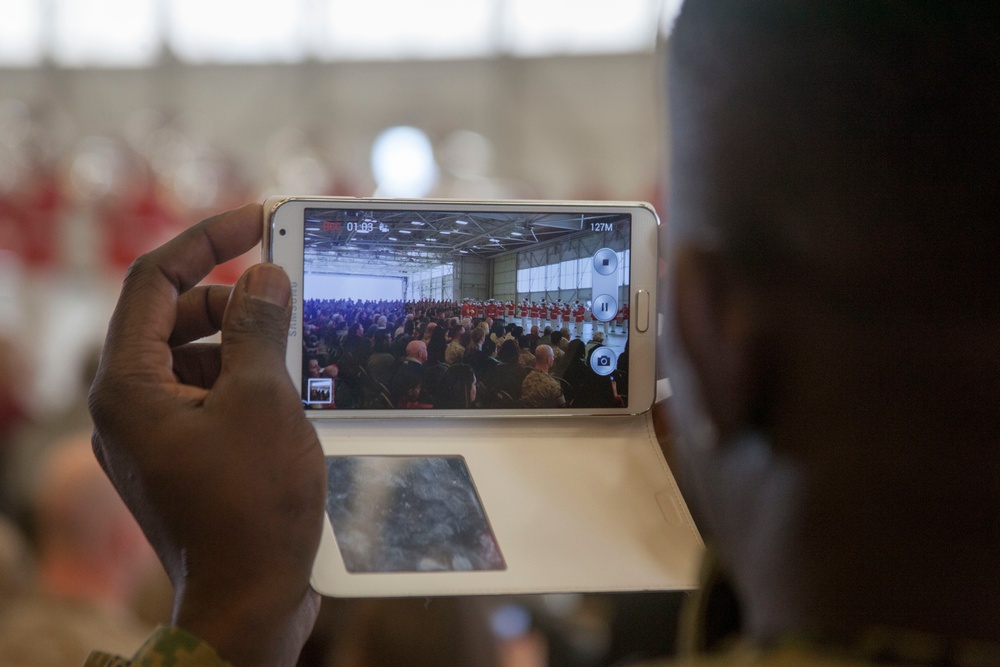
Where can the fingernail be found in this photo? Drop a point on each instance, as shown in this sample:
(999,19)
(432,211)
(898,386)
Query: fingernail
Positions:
(269,283)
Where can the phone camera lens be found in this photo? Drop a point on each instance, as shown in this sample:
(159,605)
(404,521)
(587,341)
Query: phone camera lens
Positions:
(281,232)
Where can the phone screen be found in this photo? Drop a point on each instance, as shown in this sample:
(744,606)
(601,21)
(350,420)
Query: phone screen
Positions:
(449,309)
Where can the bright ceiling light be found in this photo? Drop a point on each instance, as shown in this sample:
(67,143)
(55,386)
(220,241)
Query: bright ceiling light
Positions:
(403,163)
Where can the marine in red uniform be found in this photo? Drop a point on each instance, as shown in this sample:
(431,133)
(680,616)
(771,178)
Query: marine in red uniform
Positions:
(579,313)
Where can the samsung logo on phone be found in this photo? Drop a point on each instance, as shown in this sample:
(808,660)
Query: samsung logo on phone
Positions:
(293,326)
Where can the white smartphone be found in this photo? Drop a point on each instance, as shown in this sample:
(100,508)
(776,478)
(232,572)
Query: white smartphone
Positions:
(372,276)
(431,312)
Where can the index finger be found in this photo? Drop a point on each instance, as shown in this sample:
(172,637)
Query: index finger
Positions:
(144,317)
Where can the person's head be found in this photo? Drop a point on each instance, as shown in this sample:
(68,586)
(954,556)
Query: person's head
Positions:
(458,387)
(576,349)
(509,352)
(417,350)
(399,345)
(381,341)
(544,357)
(437,336)
(313,367)
(408,386)
(834,303)
(476,337)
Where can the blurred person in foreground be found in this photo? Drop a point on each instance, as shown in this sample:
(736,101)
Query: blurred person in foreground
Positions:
(832,343)
(92,559)
(444,632)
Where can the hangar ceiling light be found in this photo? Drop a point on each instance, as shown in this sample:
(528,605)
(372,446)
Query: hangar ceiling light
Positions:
(384,252)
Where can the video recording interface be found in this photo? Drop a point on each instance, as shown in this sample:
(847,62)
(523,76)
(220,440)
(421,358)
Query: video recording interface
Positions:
(418,309)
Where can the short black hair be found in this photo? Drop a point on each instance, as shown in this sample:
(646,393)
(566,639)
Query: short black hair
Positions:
(850,147)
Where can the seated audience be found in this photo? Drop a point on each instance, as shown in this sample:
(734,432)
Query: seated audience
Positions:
(539,389)
(457,389)
(455,351)
(506,378)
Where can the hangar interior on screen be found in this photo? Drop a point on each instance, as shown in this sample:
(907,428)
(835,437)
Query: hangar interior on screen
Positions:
(376,281)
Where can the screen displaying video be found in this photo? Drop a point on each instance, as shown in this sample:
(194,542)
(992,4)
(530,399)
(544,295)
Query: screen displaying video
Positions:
(409,514)
(425,310)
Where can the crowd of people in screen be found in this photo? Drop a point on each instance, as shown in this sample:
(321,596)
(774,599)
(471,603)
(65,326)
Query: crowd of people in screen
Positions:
(395,354)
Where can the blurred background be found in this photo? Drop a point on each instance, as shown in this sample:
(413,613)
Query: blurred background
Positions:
(124,121)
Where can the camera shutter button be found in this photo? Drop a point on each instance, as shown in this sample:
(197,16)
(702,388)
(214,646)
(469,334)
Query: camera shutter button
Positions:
(603,360)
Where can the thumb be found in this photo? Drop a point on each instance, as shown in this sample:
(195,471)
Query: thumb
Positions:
(255,324)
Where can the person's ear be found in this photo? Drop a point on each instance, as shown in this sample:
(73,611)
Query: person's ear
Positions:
(720,327)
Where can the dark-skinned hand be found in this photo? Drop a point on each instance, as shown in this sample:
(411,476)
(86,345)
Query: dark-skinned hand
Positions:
(208,444)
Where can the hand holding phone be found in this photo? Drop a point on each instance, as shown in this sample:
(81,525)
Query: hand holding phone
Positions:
(207,444)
